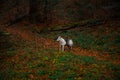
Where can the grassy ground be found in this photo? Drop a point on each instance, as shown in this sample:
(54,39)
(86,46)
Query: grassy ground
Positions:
(20,60)
(103,38)
(48,64)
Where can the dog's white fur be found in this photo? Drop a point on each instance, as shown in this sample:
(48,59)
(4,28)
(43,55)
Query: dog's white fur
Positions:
(62,43)
(69,43)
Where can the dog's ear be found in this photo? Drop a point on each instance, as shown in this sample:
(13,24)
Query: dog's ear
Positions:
(59,36)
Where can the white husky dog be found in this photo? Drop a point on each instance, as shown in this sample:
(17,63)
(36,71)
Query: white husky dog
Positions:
(69,43)
(63,42)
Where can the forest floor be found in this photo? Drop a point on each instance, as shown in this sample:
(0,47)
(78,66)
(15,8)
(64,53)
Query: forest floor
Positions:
(35,56)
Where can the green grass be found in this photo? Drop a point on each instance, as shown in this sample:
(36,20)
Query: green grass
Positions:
(48,64)
(85,38)
(58,66)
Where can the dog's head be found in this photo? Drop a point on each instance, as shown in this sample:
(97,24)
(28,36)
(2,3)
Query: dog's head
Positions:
(59,38)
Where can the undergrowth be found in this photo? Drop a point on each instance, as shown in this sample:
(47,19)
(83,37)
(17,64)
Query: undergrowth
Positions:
(100,39)
(48,64)
(59,66)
